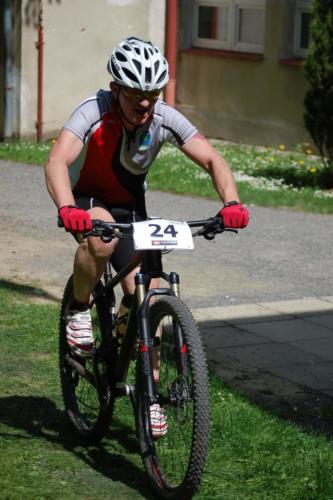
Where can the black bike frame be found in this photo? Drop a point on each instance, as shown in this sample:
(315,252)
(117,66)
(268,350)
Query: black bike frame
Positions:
(138,321)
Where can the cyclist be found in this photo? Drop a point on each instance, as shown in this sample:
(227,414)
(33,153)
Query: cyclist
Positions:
(98,164)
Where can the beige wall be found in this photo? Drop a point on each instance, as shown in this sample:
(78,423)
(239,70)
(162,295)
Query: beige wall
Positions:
(259,102)
(79,36)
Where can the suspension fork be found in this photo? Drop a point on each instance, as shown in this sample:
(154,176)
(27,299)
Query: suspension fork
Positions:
(181,354)
(146,342)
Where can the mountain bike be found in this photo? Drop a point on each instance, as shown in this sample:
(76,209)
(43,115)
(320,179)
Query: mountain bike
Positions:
(163,340)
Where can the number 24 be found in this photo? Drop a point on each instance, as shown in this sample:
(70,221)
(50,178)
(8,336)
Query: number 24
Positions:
(170,229)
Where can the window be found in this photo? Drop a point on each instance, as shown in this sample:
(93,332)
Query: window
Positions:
(302,27)
(229,24)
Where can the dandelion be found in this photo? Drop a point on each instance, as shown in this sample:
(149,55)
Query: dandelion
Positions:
(282,147)
(53,141)
(301,162)
(312,170)
(308,151)
(271,158)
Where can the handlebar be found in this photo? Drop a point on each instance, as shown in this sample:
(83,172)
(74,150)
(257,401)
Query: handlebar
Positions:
(109,230)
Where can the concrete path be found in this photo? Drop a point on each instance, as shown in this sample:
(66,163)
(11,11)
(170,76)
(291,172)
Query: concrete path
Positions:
(290,339)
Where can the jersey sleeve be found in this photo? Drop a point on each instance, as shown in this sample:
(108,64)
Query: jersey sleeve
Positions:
(83,119)
(177,129)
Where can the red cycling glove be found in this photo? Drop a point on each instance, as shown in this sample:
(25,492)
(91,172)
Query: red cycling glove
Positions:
(234,215)
(75,219)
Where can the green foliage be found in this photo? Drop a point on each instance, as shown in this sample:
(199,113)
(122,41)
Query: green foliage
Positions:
(319,72)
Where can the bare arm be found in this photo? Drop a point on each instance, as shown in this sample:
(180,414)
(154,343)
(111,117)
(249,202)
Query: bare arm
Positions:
(202,153)
(65,150)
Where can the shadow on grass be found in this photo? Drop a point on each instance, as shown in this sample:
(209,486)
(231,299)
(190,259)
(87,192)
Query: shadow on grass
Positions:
(39,417)
(29,291)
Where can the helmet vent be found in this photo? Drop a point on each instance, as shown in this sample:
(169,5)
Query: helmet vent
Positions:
(161,78)
(137,50)
(120,57)
(130,75)
(137,64)
(148,75)
(126,47)
(146,54)
(156,66)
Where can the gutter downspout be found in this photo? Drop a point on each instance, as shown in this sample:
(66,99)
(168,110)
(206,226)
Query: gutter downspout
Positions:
(171,49)
(8,111)
(39,47)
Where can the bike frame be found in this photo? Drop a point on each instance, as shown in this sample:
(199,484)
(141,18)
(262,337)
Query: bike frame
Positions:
(138,321)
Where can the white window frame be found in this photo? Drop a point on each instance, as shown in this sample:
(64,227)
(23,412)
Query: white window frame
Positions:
(232,42)
(302,6)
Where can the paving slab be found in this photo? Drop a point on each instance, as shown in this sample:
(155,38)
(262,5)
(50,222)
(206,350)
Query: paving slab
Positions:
(322,347)
(318,376)
(239,313)
(270,355)
(291,340)
(325,320)
(228,336)
(304,306)
(288,331)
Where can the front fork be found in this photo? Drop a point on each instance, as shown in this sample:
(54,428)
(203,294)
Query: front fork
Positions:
(146,342)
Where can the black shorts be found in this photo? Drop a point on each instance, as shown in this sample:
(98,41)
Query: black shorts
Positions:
(124,251)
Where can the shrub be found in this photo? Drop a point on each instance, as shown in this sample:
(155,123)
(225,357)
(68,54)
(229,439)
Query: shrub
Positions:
(319,72)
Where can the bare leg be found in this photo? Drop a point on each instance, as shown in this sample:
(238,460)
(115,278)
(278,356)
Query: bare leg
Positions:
(90,259)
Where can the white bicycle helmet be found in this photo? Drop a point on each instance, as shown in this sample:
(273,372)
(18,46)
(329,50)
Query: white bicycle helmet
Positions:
(138,64)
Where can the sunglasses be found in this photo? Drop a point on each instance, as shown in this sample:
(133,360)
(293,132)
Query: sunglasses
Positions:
(140,95)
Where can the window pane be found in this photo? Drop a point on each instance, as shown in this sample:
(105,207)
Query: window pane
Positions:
(213,23)
(305,30)
(251,26)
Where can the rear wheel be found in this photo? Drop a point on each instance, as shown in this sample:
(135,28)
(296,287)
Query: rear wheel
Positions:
(84,381)
(175,461)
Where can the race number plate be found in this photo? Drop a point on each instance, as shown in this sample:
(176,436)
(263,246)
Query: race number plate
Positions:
(160,234)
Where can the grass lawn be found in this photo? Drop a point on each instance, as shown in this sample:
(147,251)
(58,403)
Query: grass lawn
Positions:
(253,454)
(264,176)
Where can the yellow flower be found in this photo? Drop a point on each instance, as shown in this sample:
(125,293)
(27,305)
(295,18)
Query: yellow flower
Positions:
(312,170)
(282,147)
(271,158)
(53,141)
(301,162)
(308,151)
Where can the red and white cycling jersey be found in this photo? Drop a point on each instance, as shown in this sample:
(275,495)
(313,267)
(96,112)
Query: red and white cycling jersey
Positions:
(113,163)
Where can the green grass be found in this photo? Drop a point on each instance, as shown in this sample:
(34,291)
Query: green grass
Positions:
(264,176)
(253,454)
(25,152)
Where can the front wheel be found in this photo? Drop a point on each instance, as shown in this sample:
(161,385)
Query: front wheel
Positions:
(175,460)
(85,383)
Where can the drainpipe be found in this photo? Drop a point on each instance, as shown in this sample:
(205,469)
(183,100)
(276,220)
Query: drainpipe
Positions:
(9,70)
(39,47)
(171,49)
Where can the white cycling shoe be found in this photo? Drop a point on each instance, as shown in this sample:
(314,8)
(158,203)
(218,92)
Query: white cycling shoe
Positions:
(158,421)
(79,332)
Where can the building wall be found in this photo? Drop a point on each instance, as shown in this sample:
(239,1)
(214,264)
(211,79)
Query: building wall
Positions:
(252,101)
(79,36)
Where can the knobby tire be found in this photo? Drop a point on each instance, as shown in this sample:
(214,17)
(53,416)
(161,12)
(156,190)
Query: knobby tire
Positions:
(175,462)
(88,403)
